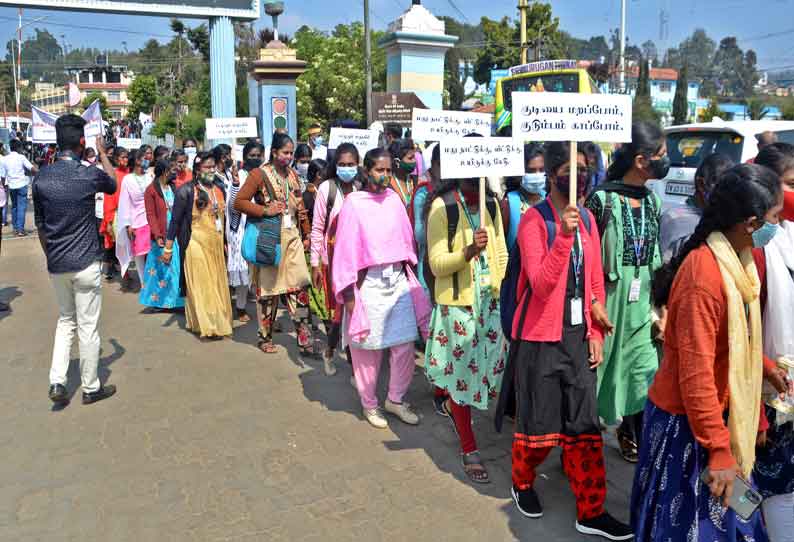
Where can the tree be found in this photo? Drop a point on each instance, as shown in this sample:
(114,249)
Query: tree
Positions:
(42,57)
(500,50)
(642,109)
(788,109)
(199,36)
(143,95)
(735,70)
(103,103)
(649,52)
(711,112)
(681,101)
(756,109)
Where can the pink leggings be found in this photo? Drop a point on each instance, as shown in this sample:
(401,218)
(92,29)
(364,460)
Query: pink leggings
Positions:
(366,368)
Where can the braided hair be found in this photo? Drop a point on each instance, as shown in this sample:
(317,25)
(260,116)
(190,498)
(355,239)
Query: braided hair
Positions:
(745,191)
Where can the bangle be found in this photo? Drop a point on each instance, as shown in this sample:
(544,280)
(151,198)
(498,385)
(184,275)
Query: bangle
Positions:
(168,250)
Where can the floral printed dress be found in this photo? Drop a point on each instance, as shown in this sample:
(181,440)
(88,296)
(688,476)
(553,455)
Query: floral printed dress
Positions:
(465,352)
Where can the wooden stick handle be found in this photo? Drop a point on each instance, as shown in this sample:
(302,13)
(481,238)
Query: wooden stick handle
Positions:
(482,202)
(573,176)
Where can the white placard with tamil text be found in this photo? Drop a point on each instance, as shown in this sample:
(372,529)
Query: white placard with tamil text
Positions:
(434,124)
(567,116)
(474,157)
(129,143)
(231,128)
(364,140)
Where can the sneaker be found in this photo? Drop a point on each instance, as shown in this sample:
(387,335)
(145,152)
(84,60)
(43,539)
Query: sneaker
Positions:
(375,418)
(328,364)
(402,411)
(102,393)
(438,405)
(58,394)
(605,526)
(527,502)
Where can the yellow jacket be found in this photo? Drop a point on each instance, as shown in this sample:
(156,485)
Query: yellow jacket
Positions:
(451,267)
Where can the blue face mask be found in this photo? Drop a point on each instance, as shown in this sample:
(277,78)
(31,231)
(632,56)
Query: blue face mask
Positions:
(145,164)
(763,235)
(346,173)
(319,141)
(534,183)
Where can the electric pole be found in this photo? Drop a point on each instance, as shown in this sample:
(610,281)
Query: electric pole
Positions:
(368,61)
(19,62)
(623,46)
(522,10)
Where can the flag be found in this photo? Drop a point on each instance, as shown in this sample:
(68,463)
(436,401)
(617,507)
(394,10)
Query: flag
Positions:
(74,95)
(93,118)
(43,125)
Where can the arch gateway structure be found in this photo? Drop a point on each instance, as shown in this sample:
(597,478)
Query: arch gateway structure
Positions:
(220,14)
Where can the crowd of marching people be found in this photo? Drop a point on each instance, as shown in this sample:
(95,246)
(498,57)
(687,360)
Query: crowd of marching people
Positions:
(673,328)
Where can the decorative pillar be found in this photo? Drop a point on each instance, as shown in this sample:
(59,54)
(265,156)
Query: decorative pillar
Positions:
(272,90)
(415,46)
(222,76)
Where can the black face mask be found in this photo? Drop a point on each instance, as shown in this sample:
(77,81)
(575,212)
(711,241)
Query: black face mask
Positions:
(563,183)
(252,163)
(171,177)
(659,167)
(228,163)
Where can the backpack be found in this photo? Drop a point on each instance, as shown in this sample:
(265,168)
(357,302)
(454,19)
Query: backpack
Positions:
(514,207)
(329,203)
(508,296)
(453,217)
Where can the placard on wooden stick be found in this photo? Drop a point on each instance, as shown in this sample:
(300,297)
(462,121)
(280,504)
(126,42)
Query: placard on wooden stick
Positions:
(435,124)
(475,157)
(573,117)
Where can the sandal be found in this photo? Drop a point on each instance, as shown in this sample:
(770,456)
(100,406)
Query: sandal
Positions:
(474,468)
(267,347)
(628,448)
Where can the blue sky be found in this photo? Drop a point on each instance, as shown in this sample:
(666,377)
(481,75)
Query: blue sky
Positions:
(750,20)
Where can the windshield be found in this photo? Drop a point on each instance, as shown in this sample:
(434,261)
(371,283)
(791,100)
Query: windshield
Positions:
(553,82)
(689,149)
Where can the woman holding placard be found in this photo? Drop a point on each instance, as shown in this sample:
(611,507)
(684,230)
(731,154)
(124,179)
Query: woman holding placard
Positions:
(274,190)
(403,154)
(627,214)
(559,327)
(523,192)
(373,277)
(465,352)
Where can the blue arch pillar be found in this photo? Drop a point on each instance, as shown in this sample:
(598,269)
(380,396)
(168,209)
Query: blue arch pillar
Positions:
(222,76)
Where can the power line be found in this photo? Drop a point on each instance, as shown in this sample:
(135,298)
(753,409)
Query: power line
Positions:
(84,27)
(456,8)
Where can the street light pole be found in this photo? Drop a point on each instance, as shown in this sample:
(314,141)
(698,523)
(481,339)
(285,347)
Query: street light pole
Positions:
(522,10)
(19,62)
(623,46)
(368,61)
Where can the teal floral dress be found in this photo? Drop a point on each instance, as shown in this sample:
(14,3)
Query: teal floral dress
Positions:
(465,351)
(160,288)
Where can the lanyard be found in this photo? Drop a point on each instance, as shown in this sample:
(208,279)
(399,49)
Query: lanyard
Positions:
(577,257)
(467,212)
(638,242)
(400,188)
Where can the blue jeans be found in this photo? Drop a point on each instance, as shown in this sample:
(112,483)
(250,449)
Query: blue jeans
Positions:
(19,205)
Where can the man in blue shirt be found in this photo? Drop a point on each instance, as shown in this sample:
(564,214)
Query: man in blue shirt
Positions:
(64,202)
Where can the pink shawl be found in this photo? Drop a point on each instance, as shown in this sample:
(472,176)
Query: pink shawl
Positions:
(373,229)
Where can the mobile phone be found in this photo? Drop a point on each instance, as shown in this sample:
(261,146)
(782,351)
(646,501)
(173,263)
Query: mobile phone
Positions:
(744,501)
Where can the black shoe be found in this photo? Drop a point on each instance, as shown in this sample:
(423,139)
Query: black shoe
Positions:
(102,393)
(605,526)
(527,502)
(58,394)
(4,307)
(438,403)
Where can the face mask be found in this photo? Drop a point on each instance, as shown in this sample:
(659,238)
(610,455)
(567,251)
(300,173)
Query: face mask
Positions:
(534,183)
(382,180)
(346,174)
(563,184)
(171,177)
(228,163)
(763,235)
(788,206)
(318,141)
(145,164)
(302,169)
(207,178)
(660,167)
(407,167)
(252,163)
(282,162)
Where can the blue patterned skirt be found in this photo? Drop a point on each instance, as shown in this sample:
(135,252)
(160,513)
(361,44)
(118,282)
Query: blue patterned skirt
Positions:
(668,501)
(774,464)
(160,286)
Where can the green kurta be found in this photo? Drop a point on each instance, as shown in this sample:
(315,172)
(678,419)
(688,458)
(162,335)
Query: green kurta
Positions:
(630,354)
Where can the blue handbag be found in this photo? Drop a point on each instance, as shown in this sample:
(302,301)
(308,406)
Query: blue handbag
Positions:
(262,241)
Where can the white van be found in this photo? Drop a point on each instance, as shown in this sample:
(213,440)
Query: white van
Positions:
(689,144)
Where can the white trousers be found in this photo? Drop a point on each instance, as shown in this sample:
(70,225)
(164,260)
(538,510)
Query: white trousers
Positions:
(79,298)
(779,516)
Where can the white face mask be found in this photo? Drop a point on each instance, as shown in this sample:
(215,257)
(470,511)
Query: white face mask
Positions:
(302,169)
(534,183)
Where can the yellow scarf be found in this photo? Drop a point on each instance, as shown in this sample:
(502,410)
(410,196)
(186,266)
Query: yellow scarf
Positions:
(745,358)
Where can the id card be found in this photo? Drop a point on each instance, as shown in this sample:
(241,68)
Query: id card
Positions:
(218,224)
(286,221)
(634,290)
(577,313)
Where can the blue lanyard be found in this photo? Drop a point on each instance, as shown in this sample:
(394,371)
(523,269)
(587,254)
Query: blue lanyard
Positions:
(467,212)
(638,242)
(577,259)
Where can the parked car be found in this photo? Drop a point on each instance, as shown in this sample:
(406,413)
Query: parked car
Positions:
(689,144)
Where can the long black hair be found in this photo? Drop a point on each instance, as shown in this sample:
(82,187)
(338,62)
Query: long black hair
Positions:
(344,148)
(202,199)
(302,151)
(779,157)
(398,149)
(646,140)
(744,191)
(711,170)
(160,167)
(319,167)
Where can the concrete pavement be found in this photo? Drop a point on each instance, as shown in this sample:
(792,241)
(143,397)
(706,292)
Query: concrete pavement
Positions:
(214,441)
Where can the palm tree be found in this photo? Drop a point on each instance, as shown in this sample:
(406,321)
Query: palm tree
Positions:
(756,109)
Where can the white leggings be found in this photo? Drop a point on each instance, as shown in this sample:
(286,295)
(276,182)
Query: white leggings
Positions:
(779,516)
(140,265)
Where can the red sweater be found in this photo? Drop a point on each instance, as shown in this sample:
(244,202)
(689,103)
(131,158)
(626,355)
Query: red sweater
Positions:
(156,212)
(547,271)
